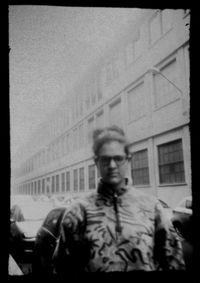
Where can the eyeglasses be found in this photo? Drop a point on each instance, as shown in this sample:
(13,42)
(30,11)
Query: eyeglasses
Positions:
(119,159)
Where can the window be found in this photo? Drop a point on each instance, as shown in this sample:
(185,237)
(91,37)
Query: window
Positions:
(35,187)
(99,119)
(75,180)
(75,139)
(53,184)
(155,28)
(48,185)
(171,165)
(81,179)
(63,182)
(140,168)
(166,20)
(160,23)
(92,91)
(43,186)
(66,144)
(136,99)
(165,92)
(91,174)
(68,180)
(39,187)
(70,142)
(129,53)
(32,192)
(57,183)
(115,113)
(62,146)
(81,136)
(138,46)
(28,188)
(90,129)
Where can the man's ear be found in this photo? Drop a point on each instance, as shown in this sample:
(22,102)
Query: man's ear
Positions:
(129,157)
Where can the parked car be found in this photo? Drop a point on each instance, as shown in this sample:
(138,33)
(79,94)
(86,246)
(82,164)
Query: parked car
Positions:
(26,218)
(182,217)
(46,240)
(182,220)
(47,237)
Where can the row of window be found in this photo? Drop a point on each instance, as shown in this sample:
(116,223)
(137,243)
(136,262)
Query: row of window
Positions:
(61,182)
(80,135)
(170,162)
(164,93)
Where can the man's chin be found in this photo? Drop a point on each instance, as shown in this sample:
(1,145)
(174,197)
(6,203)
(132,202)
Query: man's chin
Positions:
(113,181)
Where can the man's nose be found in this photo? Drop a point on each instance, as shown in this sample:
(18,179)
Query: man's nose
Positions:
(112,163)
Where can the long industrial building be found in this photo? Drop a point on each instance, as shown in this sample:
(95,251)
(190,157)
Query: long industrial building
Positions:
(141,85)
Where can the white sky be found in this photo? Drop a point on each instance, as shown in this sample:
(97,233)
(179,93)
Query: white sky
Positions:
(51,48)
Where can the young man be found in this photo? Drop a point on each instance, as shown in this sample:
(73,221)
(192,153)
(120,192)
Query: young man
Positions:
(116,228)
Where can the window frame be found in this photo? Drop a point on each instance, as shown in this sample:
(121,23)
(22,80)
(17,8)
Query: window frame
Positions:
(67,176)
(141,168)
(75,179)
(90,177)
(172,58)
(81,179)
(183,182)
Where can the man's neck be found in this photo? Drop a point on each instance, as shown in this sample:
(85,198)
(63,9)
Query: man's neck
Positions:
(115,188)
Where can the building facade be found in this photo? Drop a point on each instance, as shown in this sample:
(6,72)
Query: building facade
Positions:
(143,87)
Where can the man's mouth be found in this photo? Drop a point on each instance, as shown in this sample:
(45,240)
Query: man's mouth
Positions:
(112,174)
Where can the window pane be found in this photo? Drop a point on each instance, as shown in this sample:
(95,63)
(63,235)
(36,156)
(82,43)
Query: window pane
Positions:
(63,181)
(90,129)
(140,168)
(136,100)
(43,186)
(171,166)
(57,183)
(166,20)
(165,92)
(81,179)
(35,187)
(99,120)
(75,180)
(53,184)
(68,180)
(39,187)
(91,173)
(155,28)
(115,114)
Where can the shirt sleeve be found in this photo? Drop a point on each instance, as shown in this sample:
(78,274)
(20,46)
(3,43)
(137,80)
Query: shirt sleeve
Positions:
(168,252)
(70,252)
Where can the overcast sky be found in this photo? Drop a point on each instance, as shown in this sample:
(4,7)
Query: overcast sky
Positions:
(51,48)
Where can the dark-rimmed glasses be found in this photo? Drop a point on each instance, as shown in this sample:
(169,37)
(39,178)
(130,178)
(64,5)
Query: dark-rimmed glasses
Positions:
(118,159)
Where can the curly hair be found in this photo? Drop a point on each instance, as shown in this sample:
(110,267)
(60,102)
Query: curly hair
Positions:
(108,134)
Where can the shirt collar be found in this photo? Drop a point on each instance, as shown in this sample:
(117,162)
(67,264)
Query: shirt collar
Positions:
(108,192)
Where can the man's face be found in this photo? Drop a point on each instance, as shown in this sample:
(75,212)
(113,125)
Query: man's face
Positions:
(112,163)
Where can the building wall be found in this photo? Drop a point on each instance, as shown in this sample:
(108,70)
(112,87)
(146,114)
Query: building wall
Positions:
(124,90)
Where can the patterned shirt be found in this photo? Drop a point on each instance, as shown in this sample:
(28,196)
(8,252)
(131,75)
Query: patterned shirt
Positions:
(127,231)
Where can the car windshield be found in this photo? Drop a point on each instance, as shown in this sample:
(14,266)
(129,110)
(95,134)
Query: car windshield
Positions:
(186,203)
(29,208)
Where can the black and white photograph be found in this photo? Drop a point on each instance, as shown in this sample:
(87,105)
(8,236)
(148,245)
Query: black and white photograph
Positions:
(99,106)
